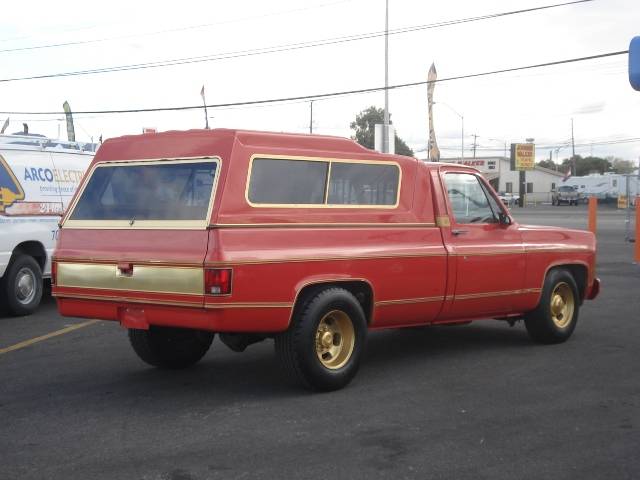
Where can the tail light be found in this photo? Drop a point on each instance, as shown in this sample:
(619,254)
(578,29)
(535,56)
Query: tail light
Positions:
(54,272)
(217,281)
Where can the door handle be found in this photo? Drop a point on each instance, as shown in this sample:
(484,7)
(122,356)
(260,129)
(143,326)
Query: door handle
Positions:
(457,231)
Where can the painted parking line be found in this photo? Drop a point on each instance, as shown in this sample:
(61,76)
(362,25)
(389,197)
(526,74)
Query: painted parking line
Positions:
(31,341)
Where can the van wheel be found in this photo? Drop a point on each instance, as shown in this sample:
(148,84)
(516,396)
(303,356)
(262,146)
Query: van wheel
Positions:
(22,285)
(322,348)
(556,316)
(170,348)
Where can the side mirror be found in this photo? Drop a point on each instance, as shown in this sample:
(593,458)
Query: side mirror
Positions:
(504,219)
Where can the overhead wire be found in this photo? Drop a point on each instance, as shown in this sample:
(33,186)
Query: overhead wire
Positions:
(159,32)
(332,94)
(286,47)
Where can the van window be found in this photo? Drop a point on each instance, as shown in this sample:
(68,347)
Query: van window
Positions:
(158,191)
(278,181)
(363,184)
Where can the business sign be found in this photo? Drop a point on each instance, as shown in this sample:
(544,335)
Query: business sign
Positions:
(634,63)
(523,156)
(484,165)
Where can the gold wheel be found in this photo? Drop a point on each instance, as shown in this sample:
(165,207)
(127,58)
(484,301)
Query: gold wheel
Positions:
(562,305)
(335,339)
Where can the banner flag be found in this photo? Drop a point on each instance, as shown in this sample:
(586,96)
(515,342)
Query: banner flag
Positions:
(434,151)
(71,133)
(204,104)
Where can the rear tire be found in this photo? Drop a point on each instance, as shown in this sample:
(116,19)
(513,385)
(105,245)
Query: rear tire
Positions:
(170,348)
(323,346)
(22,286)
(556,316)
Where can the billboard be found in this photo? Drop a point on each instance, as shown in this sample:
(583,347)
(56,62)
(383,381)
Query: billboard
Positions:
(523,156)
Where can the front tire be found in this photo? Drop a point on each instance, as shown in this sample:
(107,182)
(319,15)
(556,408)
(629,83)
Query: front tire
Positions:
(22,285)
(323,346)
(170,348)
(556,316)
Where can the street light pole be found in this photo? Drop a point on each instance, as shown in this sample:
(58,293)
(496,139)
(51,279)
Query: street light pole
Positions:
(385,128)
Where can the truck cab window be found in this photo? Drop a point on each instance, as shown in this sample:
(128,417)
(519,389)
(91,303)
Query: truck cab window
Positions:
(468,201)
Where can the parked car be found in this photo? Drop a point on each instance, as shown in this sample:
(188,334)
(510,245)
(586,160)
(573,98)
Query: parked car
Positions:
(509,199)
(566,194)
(310,240)
(38,176)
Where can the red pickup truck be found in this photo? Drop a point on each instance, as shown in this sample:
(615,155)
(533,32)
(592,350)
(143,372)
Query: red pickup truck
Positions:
(309,240)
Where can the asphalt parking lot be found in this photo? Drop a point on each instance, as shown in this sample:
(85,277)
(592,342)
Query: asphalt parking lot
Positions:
(472,402)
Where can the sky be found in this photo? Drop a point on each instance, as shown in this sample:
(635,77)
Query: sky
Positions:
(498,109)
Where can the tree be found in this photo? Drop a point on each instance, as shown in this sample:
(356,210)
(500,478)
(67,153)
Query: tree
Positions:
(364,127)
(621,166)
(587,165)
(550,164)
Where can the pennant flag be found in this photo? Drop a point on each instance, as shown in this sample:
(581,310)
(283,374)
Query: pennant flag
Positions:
(204,104)
(71,133)
(434,151)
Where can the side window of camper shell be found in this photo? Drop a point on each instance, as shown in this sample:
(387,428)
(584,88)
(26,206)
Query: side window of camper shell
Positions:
(287,182)
(363,184)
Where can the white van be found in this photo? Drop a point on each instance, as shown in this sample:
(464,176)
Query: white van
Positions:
(38,177)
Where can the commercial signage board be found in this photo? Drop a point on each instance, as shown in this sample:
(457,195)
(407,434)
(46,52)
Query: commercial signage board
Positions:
(523,156)
(634,63)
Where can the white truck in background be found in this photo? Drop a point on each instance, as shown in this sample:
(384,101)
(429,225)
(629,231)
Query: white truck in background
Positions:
(38,177)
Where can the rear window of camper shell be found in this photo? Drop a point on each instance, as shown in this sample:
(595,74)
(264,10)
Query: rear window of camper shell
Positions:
(148,191)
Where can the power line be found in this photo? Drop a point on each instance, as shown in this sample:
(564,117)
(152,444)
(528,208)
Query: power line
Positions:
(285,47)
(159,32)
(619,141)
(332,94)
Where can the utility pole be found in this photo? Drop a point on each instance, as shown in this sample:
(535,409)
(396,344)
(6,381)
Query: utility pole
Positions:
(311,117)
(385,128)
(475,144)
(573,151)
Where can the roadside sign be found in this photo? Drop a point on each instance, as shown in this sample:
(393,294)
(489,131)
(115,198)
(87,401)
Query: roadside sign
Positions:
(634,63)
(622,201)
(523,156)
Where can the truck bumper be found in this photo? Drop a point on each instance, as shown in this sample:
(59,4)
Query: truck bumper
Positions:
(251,318)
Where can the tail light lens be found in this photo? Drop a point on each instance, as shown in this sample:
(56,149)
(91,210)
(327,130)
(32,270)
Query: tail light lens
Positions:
(54,272)
(217,281)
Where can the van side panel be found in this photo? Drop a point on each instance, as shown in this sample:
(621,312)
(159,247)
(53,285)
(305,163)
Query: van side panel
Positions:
(35,186)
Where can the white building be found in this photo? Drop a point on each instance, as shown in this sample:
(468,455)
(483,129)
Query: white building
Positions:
(497,170)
